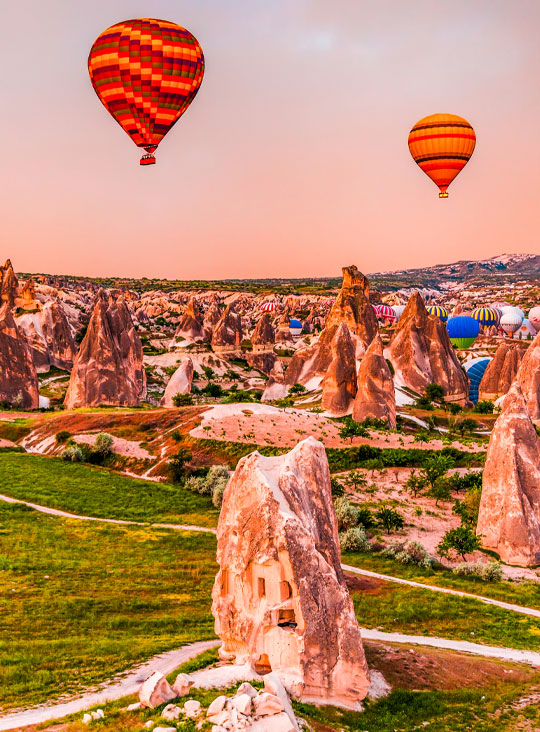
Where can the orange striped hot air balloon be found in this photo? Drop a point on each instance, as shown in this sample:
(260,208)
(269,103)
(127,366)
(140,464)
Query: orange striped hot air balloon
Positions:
(146,72)
(441,145)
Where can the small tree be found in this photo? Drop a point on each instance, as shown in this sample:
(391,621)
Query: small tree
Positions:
(434,467)
(297,389)
(350,429)
(434,392)
(440,491)
(103,444)
(177,464)
(346,513)
(460,541)
(390,519)
(355,479)
(336,487)
(416,484)
(182,400)
(484,407)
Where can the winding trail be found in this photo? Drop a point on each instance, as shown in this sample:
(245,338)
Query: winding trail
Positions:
(531,612)
(117,689)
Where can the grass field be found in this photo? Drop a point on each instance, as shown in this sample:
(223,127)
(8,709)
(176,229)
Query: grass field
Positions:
(83,601)
(92,491)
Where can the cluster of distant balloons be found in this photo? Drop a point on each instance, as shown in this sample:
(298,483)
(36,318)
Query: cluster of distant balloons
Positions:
(147,72)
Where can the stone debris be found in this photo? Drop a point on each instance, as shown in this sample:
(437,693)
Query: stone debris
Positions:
(156,690)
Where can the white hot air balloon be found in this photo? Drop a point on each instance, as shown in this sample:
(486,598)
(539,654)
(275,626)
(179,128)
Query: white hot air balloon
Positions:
(534,318)
(510,323)
(526,330)
(398,309)
(513,309)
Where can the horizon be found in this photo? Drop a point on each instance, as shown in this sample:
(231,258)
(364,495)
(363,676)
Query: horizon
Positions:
(294,150)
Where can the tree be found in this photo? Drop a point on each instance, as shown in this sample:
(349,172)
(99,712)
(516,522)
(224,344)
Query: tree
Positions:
(336,487)
(416,483)
(390,519)
(297,389)
(355,479)
(440,490)
(434,392)
(454,408)
(182,400)
(350,429)
(465,425)
(177,464)
(484,407)
(434,467)
(460,541)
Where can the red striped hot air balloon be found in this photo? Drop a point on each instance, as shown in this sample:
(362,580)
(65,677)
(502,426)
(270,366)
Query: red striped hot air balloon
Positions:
(268,307)
(442,145)
(146,72)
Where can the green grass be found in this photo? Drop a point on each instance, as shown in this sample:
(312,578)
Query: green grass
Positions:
(15,431)
(526,594)
(93,491)
(396,608)
(81,601)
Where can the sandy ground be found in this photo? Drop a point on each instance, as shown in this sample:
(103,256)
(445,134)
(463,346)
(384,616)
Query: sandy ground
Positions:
(267,425)
(127,448)
(7,443)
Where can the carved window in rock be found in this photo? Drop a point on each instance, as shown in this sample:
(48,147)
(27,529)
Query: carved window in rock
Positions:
(262,664)
(261,587)
(285,590)
(287,618)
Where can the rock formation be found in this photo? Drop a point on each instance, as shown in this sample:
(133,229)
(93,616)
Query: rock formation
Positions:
(500,372)
(227,334)
(190,327)
(18,377)
(279,599)
(212,317)
(509,517)
(27,297)
(339,382)
(49,336)
(179,383)
(528,378)
(264,336)
(375,397)
(421,353)
(8,284)
(109,366)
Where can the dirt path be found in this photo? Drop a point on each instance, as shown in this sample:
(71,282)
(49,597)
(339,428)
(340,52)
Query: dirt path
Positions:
(117,689)
(65,514)
(532,612)
(447,591)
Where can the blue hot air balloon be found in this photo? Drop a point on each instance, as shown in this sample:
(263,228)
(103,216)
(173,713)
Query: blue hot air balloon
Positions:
(463,330)
(475,369)
(295,327)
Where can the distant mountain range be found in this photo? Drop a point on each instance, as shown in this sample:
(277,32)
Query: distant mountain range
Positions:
(505,267)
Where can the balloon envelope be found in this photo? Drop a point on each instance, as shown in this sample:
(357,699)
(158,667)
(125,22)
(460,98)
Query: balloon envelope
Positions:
(146,73)
(442,144)
(440,312)
(511,322)
(534,318)
(462,330)
(475,369)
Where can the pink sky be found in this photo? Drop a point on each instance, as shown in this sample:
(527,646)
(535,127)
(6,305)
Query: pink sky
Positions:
(293,159)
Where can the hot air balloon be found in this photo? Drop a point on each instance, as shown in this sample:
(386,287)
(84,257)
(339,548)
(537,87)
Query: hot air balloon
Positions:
(485,316)
(385,312)
(146,73)
(510,322)
(475,369)
(268,307)
(534,318)
(437,310)
(514,310)
(295,327)
(398,309)
(462,330)
(441,145)
(526,330)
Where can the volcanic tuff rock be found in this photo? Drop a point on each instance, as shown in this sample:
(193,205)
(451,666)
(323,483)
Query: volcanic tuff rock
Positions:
(212,317)
(509,517)
(264,361)
(179,383)
(421,353)
(8,283)
(280,599)
(528,378)
(339,383)
(500,372)
(376,395)
(18,377)
(191,327)
(109,366)
(50,338)
(227,334)
(264,336)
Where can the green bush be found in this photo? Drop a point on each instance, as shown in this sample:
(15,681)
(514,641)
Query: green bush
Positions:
(347,513)
(177,464)
(411,552)
(297,389)
(72,454)
(484,407)
(489,571)
(336,487)
(390,519)
(182,400)
(62,436)
(460,541)
(434,392)
(103,444)
(354,540)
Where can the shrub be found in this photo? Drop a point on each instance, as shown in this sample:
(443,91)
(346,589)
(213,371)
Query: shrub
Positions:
(454,408)
(354,540)
(434,391)
(347,513)
(440,490)
(177,436)
(415,484)
(177,464)
(337,488)
(423,403)
(297,389)
(435,467)
(365,518)
(350,429)
(72,454)
(182,400)
(484,407)
(62,436)
(489,571)
(461,541)
(212,390)
(411,552)
(284,403)
(467,509)
(103,444)
(217,494)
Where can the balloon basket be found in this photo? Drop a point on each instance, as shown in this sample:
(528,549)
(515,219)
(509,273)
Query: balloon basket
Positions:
(148,159)
(443,194)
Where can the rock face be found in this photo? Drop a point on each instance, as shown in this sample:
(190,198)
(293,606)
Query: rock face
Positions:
(528,378)
(509,517)
(279,599)
(179,383)
(264,336)
(227,334)
(376,395)
(109,366)
(212,316)
(8,283)
(339,383)
(190,327)
(18,377)
(49,335)
(421,353)
(500,372)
